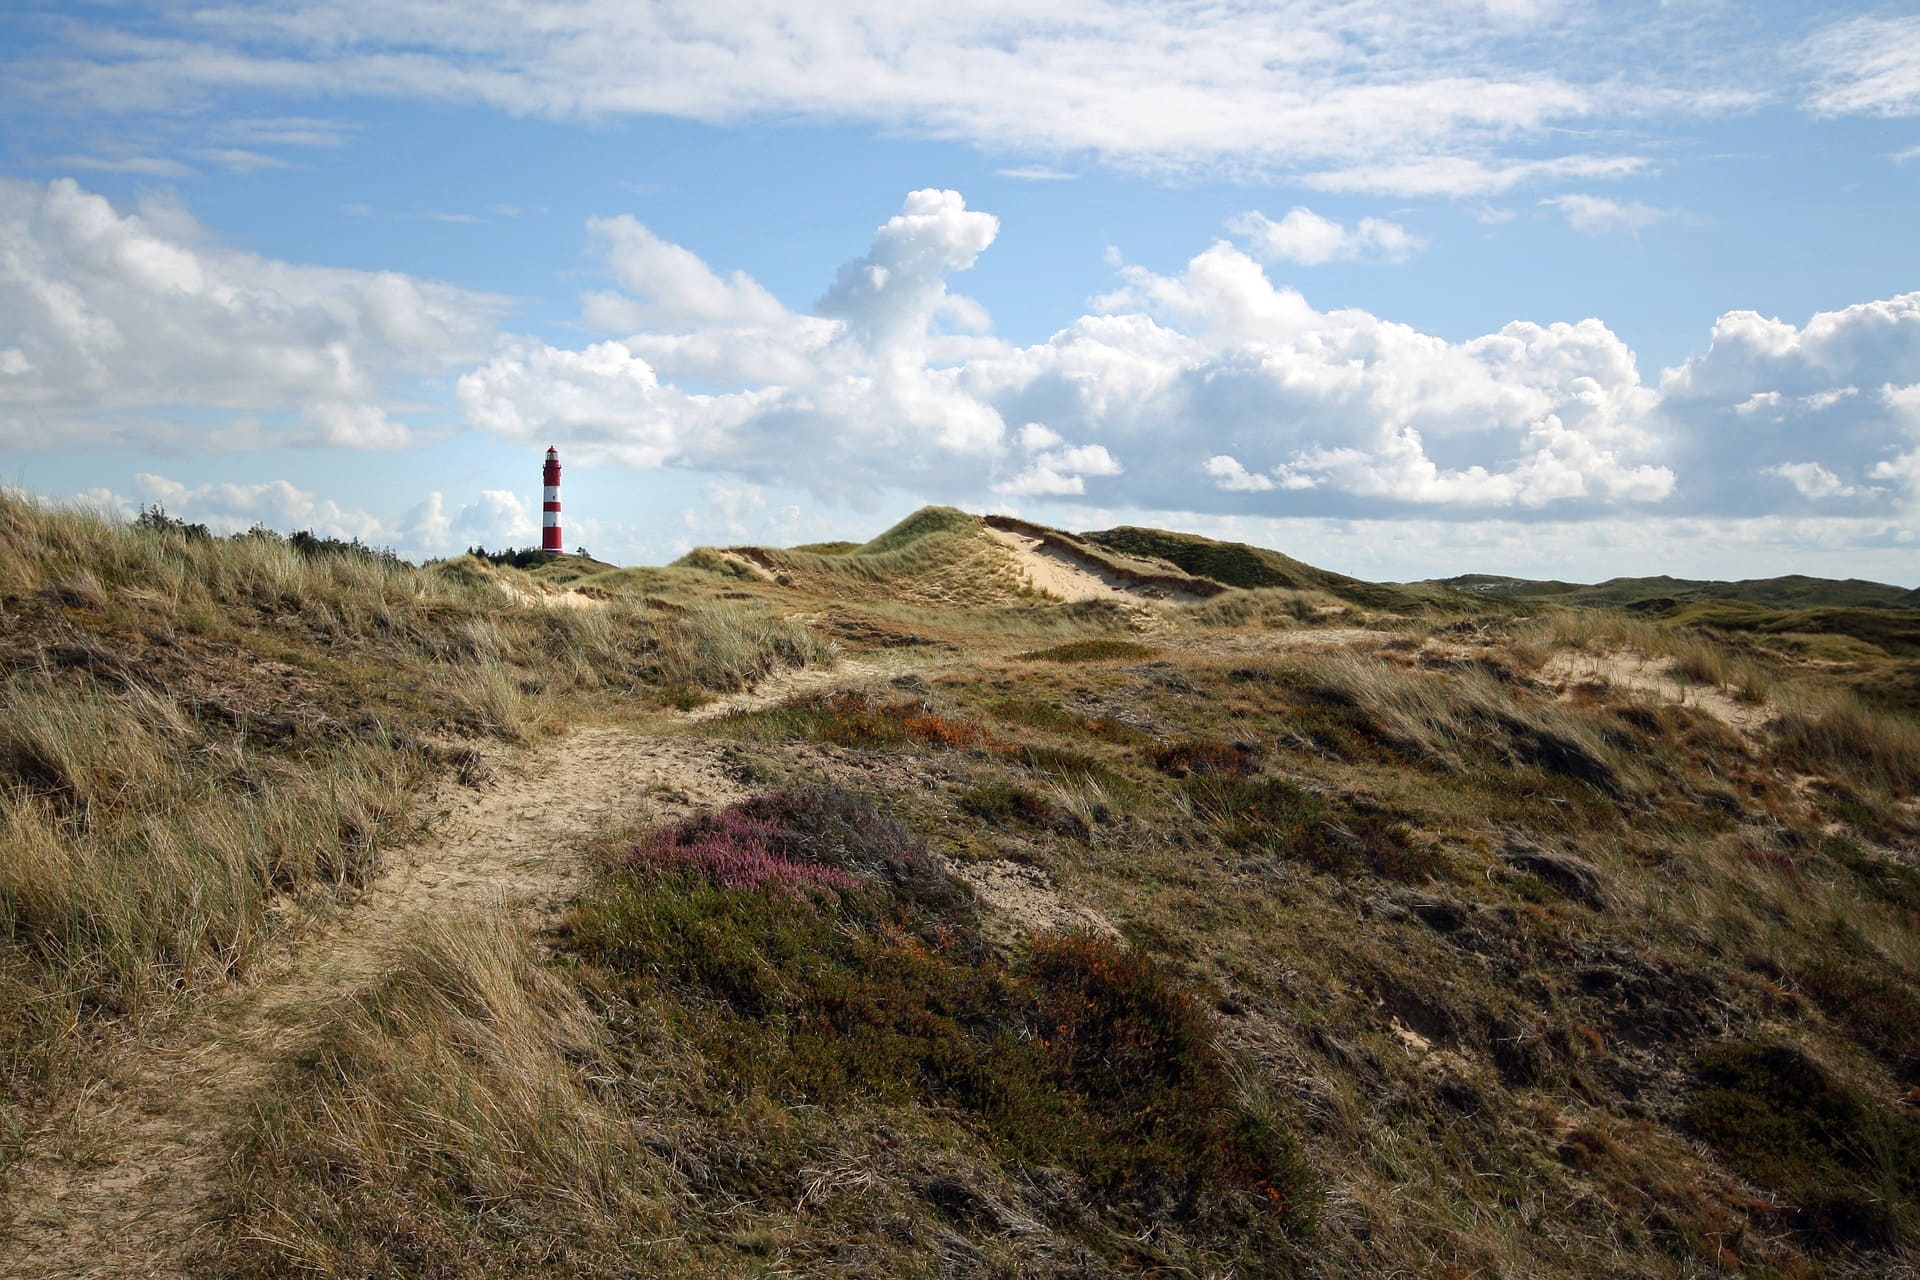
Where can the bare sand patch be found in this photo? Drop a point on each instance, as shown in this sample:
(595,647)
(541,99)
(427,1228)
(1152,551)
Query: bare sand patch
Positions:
(1049,570)
(1026,898)
(1654,677)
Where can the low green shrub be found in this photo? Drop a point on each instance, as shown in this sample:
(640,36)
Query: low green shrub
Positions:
(1194,757)
(1004,802)
(1850,1169)
(1084,1055)
(1088,651)
(1272,816)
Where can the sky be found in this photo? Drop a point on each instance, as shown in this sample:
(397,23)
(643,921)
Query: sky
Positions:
(1541,287)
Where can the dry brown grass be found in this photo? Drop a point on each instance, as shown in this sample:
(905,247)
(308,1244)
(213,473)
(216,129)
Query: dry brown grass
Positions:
(446,1116)
(195,730)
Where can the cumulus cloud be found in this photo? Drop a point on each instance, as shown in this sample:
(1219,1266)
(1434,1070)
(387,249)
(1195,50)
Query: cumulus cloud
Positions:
(1212,388)
(668,287)
(432,527)
(1207,386)
(1769,397)
(1337,88)
(138,327)
(1054,469)
(497,517)
(1599,215)
(889,297)
(234,508)
(1305,237)
(1812,480)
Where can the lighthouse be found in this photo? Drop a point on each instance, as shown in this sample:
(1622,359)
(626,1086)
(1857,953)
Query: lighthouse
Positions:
(550,539)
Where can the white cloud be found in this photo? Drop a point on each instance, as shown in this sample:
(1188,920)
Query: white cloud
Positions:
(241,160)
(667,287)
(1214,389)
(1827,399)
(138,327)
(1228,474)
(234,508)
(1305,237)
(144,166)
(1588,550)
(1866,66)
(889,297)
(1812,480)
(1055,471)
(1742,408)
(1037,173)
(729,507)
(1462,176)
(1333,87)
(497,518)
(1902,157)
(1598,215)
(285,131)
(1209,382)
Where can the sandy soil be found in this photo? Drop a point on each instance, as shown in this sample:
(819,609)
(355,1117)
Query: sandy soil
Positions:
(1059,574)
(1026,899)
(567,598)
(741,559)
(1654,677)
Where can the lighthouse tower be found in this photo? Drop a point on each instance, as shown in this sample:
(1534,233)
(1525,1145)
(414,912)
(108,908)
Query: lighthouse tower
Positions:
(550,539)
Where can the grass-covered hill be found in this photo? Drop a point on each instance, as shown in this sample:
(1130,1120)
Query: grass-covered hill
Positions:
(1792,591)
(918,923)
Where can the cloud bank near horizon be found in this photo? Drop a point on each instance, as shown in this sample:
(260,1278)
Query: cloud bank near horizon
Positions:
(1212,389)
(1208,389)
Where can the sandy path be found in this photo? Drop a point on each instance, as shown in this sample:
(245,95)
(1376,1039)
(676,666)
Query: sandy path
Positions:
(142,1205)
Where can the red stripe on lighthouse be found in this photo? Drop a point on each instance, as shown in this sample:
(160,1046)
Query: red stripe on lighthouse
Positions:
(550,536)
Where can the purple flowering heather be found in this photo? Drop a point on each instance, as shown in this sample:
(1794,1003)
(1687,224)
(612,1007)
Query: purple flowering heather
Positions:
(734,850)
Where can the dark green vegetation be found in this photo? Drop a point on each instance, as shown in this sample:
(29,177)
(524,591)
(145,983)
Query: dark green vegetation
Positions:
(1793,592)
(1235,564)
(1089,651)
(1849,1168)
(875,987)
(1304,928)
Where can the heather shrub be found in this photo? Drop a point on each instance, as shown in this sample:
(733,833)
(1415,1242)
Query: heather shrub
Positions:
(847,719)
(1088,651)
(1082,1056)
(1002,802)
(734,850)
(1196,756)
(1850,1170)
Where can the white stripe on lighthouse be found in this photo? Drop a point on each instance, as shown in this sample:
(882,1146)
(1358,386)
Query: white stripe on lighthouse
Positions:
(552,493)
(550,519)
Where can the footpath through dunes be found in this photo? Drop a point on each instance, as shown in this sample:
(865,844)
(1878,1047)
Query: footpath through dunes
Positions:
(128,1189)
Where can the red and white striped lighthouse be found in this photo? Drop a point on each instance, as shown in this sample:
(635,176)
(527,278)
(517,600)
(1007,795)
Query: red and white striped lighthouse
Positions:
(550,539)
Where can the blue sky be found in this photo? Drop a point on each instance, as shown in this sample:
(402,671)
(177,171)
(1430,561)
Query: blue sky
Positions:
(1527,286)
